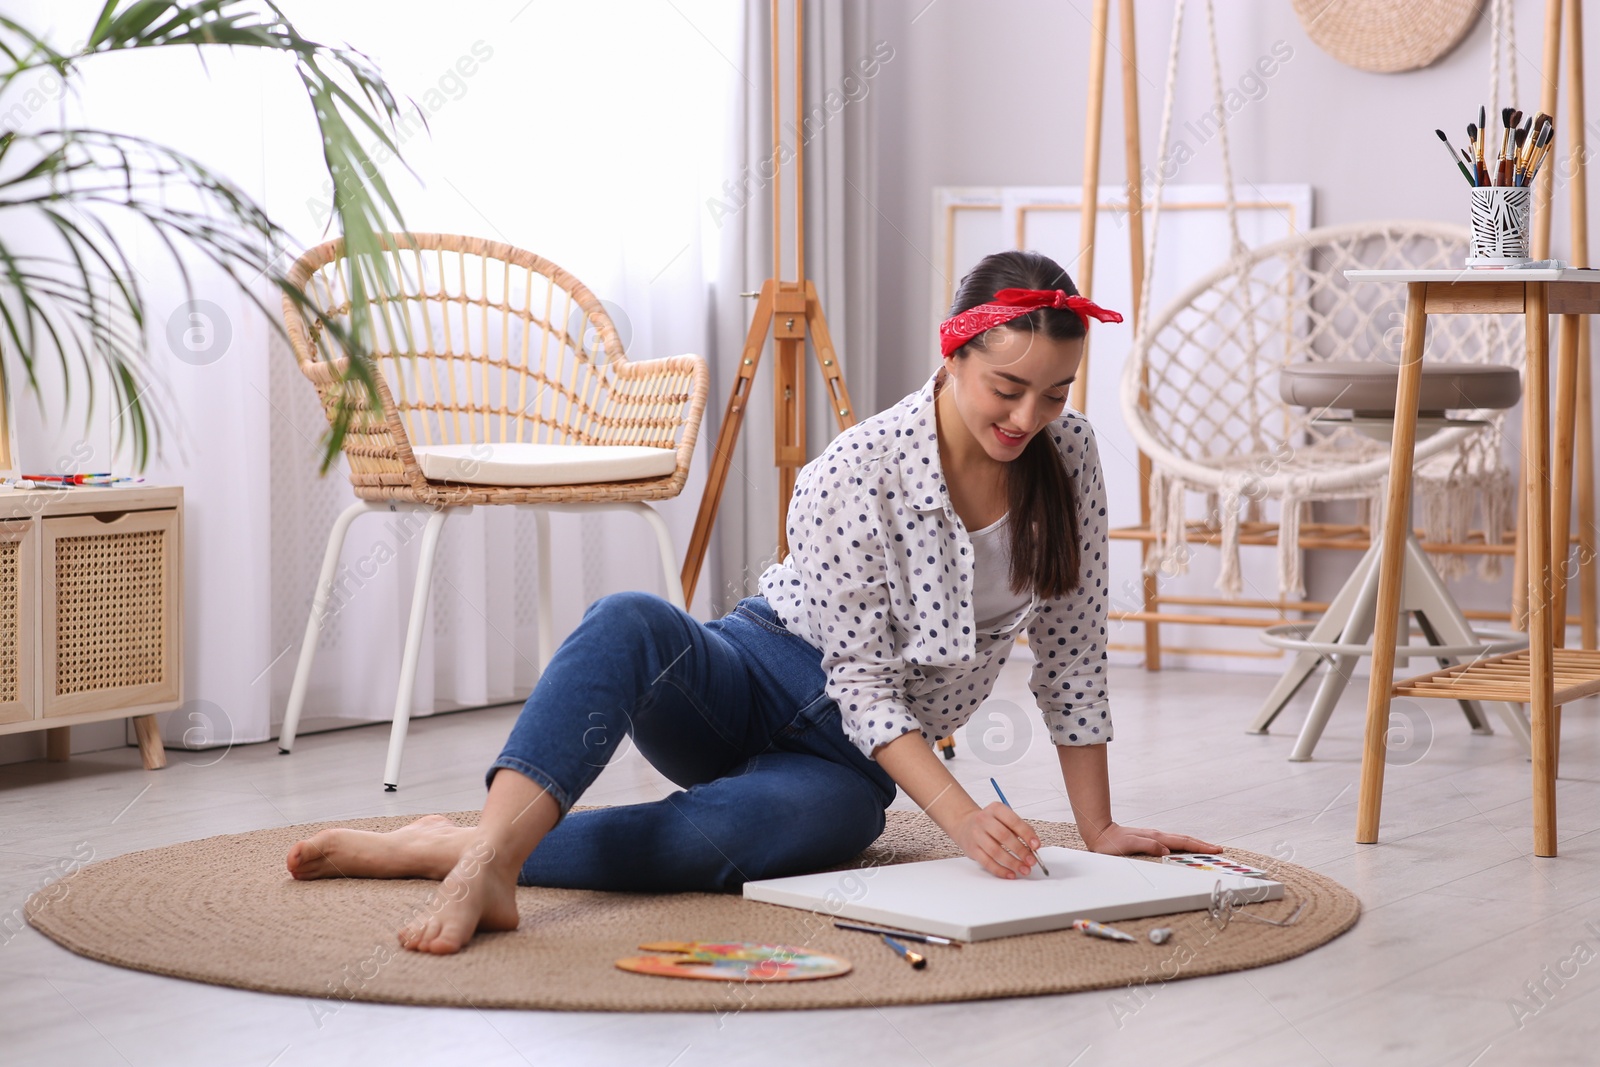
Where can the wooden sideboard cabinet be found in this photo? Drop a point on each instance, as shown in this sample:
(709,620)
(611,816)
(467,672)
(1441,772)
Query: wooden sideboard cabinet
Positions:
(91,610)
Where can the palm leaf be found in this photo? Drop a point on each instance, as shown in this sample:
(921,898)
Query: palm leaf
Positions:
(84,304)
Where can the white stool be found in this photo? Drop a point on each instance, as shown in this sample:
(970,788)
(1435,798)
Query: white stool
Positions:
(1344,632)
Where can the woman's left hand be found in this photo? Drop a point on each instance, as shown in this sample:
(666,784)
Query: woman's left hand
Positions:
(1117,840)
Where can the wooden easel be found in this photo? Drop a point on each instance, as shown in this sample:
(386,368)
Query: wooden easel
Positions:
(1099,36)
(791,312)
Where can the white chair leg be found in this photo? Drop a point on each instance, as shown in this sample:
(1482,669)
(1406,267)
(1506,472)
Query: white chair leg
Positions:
(1304,666)
(1437,614)
(669,560)
(1328,628)
(547,613)
(1446,619)
(1472,709)
(1356,631)
(319,607)
(408,663)
(541,519)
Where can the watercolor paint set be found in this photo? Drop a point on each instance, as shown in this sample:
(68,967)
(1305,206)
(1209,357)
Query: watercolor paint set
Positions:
(1200,861)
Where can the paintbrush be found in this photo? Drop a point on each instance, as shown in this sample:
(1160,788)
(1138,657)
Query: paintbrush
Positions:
(1535,156)
(928,939)
(1541,151)
(1481,148)
(916,959)
(1476,158)
(1025,845)
(1540,121)
(1502,167)
(1527,138)
(1451,153)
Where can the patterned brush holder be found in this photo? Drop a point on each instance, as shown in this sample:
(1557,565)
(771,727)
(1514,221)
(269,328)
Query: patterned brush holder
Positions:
(1500,226)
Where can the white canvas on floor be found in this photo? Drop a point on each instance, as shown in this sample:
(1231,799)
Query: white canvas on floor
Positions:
(957,898)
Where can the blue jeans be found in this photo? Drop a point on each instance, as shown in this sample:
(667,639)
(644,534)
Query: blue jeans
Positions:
(734,711)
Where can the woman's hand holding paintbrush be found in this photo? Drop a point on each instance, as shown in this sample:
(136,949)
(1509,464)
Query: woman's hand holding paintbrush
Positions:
(1030,842)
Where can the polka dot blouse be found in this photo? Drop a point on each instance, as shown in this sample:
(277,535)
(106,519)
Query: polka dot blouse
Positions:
(880,578)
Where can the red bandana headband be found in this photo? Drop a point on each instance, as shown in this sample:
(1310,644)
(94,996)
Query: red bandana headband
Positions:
(1009,304)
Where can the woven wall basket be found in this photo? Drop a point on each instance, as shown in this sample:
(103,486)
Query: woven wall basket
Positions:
(1387,36)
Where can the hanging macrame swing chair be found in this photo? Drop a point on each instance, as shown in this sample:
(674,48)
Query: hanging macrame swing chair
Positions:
(1200,389)
(1209,393)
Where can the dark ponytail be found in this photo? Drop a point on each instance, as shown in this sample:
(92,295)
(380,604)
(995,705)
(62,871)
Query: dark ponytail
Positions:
(1041,499)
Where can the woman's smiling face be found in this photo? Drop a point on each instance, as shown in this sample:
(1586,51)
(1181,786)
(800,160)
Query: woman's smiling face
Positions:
(1012,387)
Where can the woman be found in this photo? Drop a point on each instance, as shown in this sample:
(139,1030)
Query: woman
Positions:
(922,541)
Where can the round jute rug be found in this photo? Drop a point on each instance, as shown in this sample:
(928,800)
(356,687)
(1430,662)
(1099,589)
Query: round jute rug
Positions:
(224,910)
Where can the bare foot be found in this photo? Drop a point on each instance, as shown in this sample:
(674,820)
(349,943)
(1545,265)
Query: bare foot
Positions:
(479,893)
(427,848)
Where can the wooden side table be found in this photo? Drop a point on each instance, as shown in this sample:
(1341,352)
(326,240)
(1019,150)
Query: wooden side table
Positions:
(1542,676)
(91,611)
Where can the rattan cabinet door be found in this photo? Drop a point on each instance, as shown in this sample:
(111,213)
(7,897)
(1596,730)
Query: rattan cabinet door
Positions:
(19,585)
(109,602)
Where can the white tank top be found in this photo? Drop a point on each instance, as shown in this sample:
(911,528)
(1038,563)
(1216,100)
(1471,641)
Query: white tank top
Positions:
(994,604)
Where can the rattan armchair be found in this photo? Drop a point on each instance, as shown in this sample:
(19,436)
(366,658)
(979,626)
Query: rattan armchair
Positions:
(503,381)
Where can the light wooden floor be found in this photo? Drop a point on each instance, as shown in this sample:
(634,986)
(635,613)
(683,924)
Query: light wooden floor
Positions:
(1461,922)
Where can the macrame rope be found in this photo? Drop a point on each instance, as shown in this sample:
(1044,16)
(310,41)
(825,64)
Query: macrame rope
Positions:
(1239,251)
(1161,168)
(1502,34)
(1495,13)
(1510,25)
(1238,246)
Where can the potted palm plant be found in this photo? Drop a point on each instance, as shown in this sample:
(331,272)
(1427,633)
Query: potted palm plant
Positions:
(79,301)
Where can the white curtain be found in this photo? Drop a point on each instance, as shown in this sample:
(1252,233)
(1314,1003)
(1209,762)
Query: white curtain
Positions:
(590,133)
(605,136)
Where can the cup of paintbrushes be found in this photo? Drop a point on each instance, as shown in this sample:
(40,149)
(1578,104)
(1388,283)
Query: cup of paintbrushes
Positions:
(1500,215)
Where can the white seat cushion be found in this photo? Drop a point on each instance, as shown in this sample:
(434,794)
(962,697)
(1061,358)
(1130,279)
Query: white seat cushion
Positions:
(518,463)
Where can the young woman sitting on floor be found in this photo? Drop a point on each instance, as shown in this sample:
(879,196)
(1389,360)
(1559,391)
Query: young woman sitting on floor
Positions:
(922,541)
